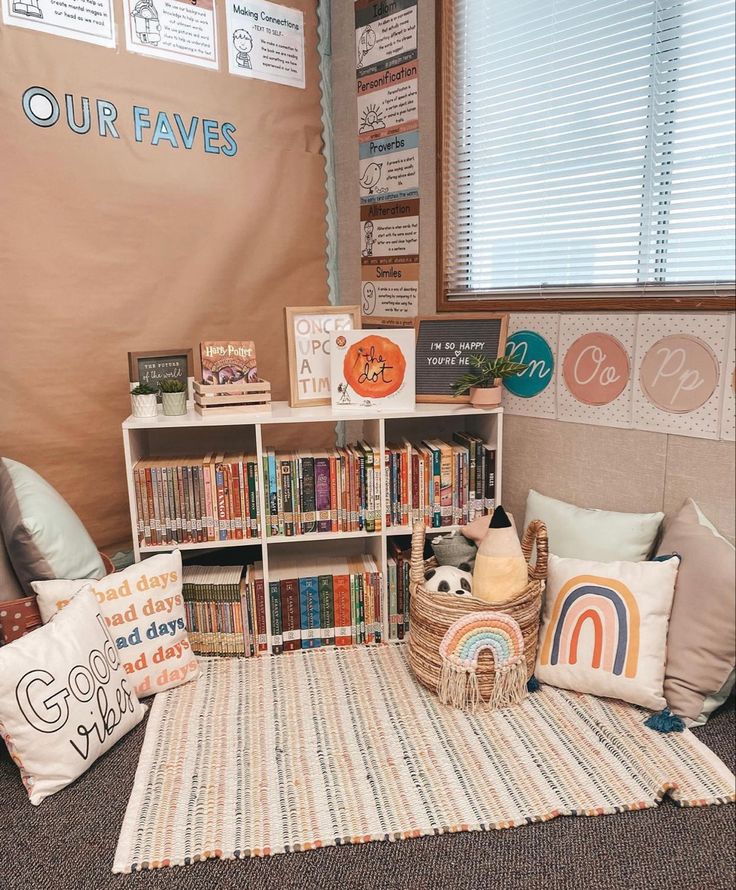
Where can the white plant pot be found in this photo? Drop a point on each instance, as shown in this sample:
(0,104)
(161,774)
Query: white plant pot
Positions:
(174,402)
(144,406)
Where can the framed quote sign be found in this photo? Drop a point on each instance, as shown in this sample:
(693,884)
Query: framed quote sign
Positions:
(308,330)
(444,345)
(153,366)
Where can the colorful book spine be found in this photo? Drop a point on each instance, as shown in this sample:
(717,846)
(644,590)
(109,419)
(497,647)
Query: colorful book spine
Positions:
(327,609)
(309,612)
(277,640)
(290,612)
(307,476)
(323,490)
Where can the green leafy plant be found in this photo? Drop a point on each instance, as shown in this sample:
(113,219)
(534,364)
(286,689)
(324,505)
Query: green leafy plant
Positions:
(170,384)
(143,389)
(485,371)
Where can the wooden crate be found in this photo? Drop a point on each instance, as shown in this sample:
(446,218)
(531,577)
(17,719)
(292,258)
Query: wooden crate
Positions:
(232,398)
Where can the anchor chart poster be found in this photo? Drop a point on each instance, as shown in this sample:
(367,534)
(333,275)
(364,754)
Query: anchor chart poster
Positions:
(388,157)
(175,30)
(266,41)
(89,20)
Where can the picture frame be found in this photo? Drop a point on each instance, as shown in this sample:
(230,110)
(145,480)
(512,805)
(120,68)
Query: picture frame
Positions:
(152,365)
(464,332)
(308,331)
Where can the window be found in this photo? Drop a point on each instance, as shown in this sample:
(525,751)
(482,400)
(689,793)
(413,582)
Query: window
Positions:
(586,153)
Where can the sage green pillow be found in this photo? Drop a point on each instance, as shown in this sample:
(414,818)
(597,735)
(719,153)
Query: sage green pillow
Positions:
(599,535)
(44,537)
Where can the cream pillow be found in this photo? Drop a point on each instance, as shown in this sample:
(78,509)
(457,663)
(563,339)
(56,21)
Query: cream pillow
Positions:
(64,698)
(143,607)
(604,628)
(585,533)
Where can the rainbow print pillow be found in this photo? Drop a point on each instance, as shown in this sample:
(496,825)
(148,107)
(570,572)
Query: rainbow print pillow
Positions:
(604,628)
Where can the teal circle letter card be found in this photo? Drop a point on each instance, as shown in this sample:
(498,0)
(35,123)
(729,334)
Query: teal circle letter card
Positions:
(533,350)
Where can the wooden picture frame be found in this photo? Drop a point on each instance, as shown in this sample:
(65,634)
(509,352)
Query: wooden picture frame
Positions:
(315,352)
(184,358)
(446,321)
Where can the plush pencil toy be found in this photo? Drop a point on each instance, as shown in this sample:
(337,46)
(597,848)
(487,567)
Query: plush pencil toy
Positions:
(500,571)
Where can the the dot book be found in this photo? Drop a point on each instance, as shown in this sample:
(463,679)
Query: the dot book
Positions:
(372,368)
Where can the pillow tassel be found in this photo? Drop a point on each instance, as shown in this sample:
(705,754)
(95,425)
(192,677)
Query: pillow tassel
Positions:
(532,684)
(665,721)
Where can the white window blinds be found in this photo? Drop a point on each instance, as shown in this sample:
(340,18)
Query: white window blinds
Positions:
(587,143)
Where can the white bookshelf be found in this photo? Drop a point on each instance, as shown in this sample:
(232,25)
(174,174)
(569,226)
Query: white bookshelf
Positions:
(192,434)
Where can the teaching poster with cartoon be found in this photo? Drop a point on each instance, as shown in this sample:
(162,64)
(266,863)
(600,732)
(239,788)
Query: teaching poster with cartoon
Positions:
(89,20)
(175,30)
(266,41)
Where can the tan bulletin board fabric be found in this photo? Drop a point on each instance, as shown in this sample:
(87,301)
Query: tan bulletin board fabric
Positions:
(109,244)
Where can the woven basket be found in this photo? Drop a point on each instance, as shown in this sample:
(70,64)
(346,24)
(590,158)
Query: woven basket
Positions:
(432,614)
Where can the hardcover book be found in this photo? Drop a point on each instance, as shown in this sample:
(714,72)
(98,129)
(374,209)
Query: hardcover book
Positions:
(228,361)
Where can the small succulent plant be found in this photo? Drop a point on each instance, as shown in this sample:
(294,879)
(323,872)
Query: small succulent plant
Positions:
(171,384)
(144,389)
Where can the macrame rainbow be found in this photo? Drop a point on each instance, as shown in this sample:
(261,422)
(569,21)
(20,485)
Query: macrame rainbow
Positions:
(460,649)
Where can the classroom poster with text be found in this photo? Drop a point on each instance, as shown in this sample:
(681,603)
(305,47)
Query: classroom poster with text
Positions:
(175,30)
(266,41)
(89,20)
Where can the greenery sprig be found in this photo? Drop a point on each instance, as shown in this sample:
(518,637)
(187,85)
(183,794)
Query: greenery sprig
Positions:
(485,373)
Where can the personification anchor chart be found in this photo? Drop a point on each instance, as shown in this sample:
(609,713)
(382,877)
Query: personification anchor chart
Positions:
(388,165)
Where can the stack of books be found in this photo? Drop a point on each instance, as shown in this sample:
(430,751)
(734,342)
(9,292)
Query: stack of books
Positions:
(185,500)
(337,490)
(397,568)
(333,602)
(221,612)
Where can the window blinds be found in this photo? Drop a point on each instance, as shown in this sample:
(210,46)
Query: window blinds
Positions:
(587,143)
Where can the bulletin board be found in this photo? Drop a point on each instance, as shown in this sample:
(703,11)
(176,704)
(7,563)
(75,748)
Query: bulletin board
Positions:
(149,199)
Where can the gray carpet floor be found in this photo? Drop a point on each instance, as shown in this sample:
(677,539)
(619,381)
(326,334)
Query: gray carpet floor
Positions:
(67,843)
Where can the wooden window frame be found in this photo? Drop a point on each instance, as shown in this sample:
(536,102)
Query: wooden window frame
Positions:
(629,298)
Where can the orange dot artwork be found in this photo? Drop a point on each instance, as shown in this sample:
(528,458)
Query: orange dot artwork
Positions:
(374,367)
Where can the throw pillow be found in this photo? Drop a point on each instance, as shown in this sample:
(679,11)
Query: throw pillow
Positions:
(143,607)
(64,698)
(700,646)
(44,537)
(602,535)
(604,628)
(17,618)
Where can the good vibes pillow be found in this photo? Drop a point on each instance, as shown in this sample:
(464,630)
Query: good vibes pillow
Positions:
(64,698)
(143,608)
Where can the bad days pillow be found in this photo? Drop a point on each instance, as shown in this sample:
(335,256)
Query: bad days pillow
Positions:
(143,607)
(64,698)
(604,628)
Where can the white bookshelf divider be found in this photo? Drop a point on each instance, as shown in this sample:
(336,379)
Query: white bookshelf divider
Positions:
(192,433)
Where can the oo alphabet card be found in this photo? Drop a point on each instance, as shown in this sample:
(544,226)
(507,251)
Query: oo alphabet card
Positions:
(372,368)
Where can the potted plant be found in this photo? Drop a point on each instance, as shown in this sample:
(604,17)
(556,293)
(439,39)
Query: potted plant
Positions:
(174,396)
(481,381)
(144,399)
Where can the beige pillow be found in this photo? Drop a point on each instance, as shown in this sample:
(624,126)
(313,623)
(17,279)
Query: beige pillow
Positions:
(700,644)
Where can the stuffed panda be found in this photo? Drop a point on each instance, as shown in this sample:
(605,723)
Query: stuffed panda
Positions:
(449,579)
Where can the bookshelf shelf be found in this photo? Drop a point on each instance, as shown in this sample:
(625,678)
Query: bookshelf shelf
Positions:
(193,434)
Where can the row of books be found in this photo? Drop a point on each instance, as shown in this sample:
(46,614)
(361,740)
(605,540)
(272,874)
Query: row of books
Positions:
(215,497)
(222,614)
(397,582)
(337,602)
(186,500)
(336,490)
(440,483)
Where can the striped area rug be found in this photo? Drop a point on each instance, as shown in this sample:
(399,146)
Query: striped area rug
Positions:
(273,755)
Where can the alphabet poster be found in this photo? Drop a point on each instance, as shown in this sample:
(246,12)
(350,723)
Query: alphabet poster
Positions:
(88,20)
(266,41)
(532,341)
(677,375)
(388,157)
(594,368)
(176,30)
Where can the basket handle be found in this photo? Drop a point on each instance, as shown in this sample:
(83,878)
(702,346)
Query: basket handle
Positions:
(416,566)
(536,532)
